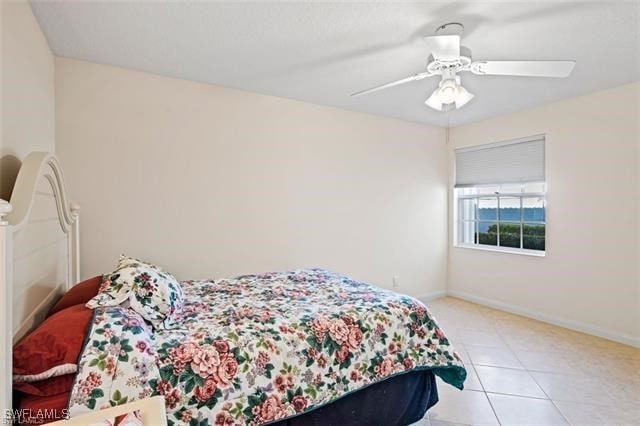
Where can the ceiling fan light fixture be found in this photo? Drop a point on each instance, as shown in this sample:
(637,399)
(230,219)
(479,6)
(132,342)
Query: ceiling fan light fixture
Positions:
(463,97)
(449,94)
(447,91)
(434,101)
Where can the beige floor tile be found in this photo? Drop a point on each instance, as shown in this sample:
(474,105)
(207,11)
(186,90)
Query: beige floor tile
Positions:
(494,356)
(590,414)
(508,381)
(626,370)
(467,407)
(591,380)
(553,362)
(625,392)
(517,410)
(566,387)
(615,349)
(477,322)
(587,389)
(531,341)
(483,338)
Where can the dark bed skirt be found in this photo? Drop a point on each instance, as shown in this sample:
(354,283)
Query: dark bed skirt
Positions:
(400,401)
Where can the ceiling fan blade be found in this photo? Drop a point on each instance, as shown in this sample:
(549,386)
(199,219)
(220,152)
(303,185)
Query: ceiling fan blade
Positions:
(444,47)
(524,68)
(414,77)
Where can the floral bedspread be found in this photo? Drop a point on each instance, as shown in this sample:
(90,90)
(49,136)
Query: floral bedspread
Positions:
(258,348)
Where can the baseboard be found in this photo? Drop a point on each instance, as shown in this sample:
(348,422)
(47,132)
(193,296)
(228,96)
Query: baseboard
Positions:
(561,322)
(431,296)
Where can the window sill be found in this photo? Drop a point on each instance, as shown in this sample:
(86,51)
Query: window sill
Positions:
(524,252)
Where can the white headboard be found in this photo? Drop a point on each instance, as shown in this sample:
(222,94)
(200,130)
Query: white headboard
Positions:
(39,253)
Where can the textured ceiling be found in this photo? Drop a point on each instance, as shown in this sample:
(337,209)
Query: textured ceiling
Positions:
(321,52)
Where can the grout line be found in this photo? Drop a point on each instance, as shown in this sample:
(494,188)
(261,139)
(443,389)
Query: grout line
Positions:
(484,390)
(539,386)
(498,366)
(503,368)
(479,379)
(552,401)
(486,395)
(520,396)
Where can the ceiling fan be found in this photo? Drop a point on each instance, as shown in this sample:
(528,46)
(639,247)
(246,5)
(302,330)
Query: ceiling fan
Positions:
(448,58)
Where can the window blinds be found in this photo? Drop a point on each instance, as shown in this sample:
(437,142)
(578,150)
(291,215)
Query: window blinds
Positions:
(515,161)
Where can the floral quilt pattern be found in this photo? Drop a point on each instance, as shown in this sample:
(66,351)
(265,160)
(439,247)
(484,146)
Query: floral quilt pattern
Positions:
(260,348)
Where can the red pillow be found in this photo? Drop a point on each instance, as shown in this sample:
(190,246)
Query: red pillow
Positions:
(47,387)
(80,293)
(57,341)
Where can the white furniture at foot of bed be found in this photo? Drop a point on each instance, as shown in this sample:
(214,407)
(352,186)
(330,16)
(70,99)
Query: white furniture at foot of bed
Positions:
(39,254)
(152,411)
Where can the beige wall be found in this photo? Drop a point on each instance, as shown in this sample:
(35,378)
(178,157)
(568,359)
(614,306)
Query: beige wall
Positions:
(590,278)
(28,116)
(210,181)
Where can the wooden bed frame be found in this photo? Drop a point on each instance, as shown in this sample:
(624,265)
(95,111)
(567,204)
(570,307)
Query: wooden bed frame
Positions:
(39,254)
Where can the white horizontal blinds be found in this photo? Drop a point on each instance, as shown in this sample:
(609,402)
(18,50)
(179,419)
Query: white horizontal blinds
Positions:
(514,161)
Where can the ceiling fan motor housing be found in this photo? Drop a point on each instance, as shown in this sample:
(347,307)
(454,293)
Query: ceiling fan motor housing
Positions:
(450,28)
(463,62)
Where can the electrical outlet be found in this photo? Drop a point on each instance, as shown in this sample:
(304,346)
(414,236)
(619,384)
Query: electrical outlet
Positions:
(396,281)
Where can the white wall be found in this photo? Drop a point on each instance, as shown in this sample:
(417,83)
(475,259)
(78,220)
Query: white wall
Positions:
(28,88)
(210,181)
(590,277)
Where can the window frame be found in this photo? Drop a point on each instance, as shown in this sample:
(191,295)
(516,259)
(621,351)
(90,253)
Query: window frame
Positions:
(460,222)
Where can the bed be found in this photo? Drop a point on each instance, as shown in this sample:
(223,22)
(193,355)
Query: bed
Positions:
(289,348)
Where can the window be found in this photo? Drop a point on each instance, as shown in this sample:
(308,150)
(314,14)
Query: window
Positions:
(504,216)
(493,212)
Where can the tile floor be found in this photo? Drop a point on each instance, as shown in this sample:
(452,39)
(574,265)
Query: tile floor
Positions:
(526,372)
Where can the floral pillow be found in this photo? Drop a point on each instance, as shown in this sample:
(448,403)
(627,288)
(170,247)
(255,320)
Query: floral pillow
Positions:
(157,296)
(132,261)
(114,290)
(154,294)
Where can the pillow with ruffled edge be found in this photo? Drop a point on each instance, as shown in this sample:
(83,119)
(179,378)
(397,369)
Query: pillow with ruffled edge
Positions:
(156,296)
(132,261)
(114,290)
(116,286)
(45,359)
